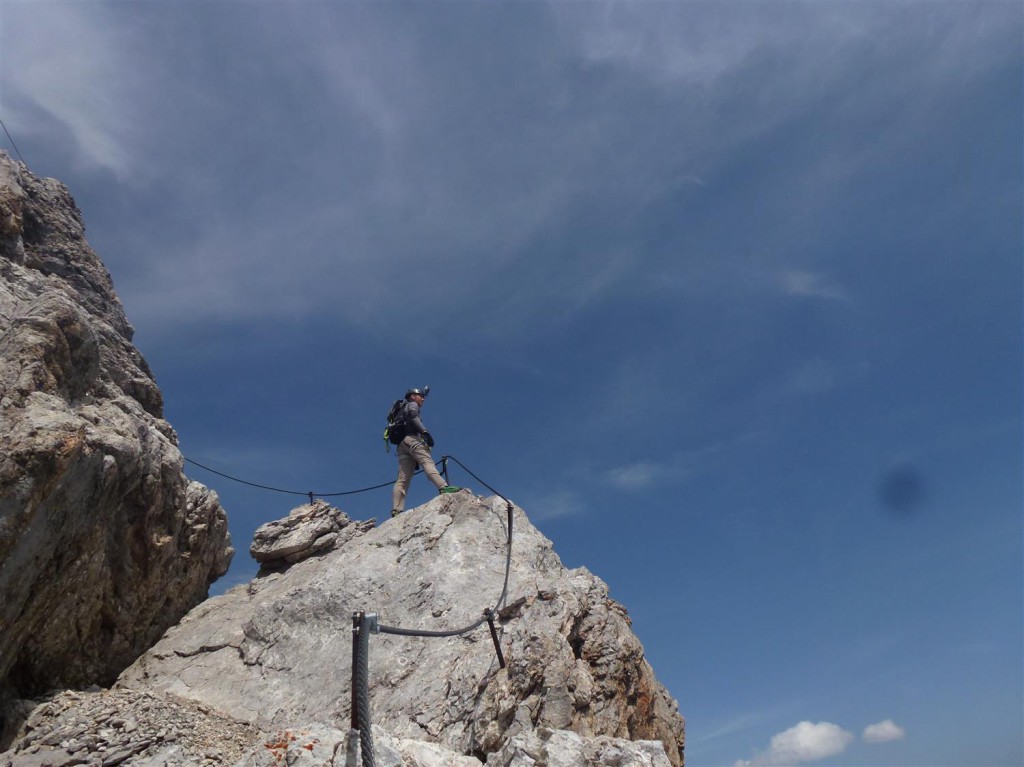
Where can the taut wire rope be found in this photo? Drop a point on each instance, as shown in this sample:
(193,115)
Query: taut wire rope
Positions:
(288,492)
(11,139)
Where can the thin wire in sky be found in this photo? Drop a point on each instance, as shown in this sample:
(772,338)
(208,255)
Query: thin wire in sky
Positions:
(11,139)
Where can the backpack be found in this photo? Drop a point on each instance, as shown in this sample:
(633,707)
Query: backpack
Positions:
(396,430)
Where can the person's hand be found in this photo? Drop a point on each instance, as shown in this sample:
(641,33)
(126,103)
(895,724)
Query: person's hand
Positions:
(428,439)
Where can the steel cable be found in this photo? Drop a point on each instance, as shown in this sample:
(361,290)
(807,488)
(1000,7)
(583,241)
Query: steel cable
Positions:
(11,139)
(504,590)
(290,492)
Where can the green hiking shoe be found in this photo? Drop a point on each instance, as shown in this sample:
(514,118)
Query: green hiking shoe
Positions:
(449,489)
(396,512)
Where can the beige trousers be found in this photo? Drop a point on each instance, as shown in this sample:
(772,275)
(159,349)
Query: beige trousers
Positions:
(413,451)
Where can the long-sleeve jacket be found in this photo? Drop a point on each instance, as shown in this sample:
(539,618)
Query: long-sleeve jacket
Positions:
(413,422)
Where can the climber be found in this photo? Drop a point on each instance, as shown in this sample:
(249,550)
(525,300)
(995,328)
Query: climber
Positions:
(413,449)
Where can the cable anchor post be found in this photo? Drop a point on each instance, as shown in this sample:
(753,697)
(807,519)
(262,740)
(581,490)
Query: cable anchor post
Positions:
(352,745)
(357,619)
(444,469)
(363,624)
(489,615)
(509,508)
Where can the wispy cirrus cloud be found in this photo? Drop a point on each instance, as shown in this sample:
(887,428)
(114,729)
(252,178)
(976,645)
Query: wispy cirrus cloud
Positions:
(635,476)
(678,466)
(368,147)
(796,282)
(70,68)
(556,505)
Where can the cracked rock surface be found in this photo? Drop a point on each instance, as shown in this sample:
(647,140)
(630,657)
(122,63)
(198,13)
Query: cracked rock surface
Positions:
(104,542)
(321,746)
(277,652)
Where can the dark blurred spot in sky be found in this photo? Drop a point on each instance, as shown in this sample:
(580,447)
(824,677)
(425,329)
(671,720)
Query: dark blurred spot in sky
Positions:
(902,488)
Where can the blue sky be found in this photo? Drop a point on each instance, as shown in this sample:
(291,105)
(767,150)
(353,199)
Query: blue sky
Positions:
(727,296)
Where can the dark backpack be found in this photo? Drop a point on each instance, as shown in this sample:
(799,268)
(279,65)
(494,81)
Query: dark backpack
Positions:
(396,430)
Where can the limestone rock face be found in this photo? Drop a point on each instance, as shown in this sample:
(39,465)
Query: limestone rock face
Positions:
(104,543)
(320,746)
(277,652)
(561,748)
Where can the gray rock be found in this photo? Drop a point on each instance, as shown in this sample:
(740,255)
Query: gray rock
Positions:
(313,528)
(128,727)
(277,652)
(318,745)
(561,748)
(104,543)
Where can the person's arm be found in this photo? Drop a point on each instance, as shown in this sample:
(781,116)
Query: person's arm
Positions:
(412,418)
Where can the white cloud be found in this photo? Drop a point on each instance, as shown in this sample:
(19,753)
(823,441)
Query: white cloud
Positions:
(805,742)
(883,732)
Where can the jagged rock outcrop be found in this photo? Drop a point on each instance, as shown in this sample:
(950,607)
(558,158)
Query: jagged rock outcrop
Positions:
(313,528)
(277,652)
(104,542)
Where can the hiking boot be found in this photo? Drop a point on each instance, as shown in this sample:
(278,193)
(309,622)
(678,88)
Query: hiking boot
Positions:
(396,512)
(449,489)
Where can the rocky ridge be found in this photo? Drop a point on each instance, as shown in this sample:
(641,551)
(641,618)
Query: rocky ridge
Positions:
(269,663)
(104,542)
(277,652)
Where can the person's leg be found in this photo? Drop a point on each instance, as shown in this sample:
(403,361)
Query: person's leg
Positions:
(406,468)
(421,453)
